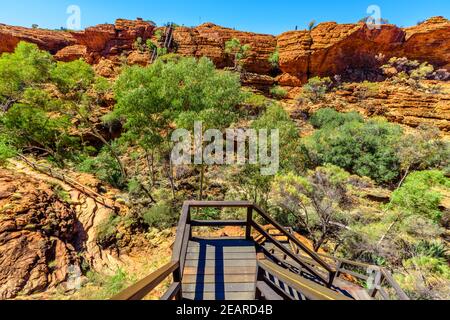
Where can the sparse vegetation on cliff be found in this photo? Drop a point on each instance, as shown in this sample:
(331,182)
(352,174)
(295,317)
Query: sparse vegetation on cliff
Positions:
(330,179)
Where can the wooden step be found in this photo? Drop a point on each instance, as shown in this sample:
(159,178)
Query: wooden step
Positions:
(219,287)
(210,255)
(211,296)
(267,292)
(221,263)
(212,278)
(226,271)
(223,269)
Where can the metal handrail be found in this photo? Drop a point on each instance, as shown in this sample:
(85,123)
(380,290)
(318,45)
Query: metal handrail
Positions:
(309,260)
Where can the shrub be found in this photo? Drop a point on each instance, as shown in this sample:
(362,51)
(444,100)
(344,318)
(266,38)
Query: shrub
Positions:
(364,148)
(105,167)
(6,151)
(73,76)
(419,196)
(207,214)
(278,92)
(274,59)
(107,230)
(331,118)
(160,216)
(316,88)
(237,50)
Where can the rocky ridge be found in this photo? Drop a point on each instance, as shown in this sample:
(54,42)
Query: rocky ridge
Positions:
(45,238)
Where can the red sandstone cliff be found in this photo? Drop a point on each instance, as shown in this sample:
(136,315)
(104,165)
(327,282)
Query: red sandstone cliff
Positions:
(329,49)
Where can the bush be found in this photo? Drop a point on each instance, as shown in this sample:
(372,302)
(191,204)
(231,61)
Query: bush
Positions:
(6,151)
(274,59)
(25,67)
(105,167)
(331,118)
(316,88)
(73,76)
(419,194)
(160,216)
(278,92)
(107,230)
(364,148)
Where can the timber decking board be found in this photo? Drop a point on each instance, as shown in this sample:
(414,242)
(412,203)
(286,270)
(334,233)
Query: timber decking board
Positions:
(226,256)
(228,278)
(223,269)
(212,271)
(229,296)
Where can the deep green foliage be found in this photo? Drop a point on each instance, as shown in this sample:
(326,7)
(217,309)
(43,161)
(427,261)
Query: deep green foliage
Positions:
(365,148)
(150,98)
(420,195)
(278,92)
(160,216)
(73,76)
(26,66)
(105,167)
(331,118)
(274,58)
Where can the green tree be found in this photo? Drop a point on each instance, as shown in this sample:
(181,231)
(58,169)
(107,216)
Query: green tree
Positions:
(249,180)
(314,204)
(26,67)
(77,82)
(423,150)
(182,90)
(420,194)
(238,51)
(274,59)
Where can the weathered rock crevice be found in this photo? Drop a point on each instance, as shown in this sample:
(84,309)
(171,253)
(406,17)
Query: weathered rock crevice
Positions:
(43,238)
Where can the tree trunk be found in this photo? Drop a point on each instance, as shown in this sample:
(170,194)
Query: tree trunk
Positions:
(202,177)
(170,176)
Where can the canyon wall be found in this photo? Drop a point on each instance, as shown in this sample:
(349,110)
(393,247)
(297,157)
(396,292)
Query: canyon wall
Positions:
(352,51)
(326,50)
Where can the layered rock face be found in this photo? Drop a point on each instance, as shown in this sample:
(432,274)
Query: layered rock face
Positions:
(37,236)
(351,50)
(48,40)
(209,40)
(48,231)
(354,51)
(398,103)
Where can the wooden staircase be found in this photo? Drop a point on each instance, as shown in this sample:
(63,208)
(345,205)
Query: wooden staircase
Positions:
(269,263)
(221,269)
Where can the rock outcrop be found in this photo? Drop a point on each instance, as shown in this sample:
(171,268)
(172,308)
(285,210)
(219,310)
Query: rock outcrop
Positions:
(355,51)
(37,236)
(209,40)
(47,233)
(48,40)
(398,103)
(351,50)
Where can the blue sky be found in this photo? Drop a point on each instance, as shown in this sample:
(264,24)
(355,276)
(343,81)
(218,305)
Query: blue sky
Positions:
(263,16)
